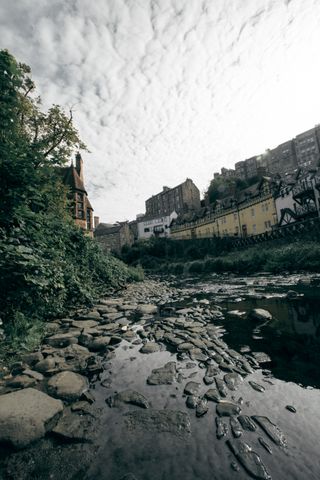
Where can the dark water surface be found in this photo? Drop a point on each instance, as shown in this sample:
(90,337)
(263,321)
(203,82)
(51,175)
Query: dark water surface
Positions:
(292,377)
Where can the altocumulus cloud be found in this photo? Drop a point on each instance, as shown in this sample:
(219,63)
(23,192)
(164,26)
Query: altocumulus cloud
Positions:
(165,89)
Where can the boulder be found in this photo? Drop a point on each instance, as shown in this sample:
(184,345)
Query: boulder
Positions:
(67,385)
(26,415)
(150,347)
(165,375)
(260,314)
(61,340)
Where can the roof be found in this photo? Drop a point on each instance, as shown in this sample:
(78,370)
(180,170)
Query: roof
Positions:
(71,178)
(107,229)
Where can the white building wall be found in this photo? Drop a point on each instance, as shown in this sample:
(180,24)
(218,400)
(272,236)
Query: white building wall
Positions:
(284,200)
(147,228)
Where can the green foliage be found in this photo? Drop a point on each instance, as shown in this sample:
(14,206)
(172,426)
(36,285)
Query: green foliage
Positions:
(47,264)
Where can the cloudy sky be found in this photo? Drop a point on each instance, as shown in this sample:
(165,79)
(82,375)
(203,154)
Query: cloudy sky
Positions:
(169,89)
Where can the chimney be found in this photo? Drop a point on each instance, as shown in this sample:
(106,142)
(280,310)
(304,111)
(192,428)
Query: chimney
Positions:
(79,165)
(96,221)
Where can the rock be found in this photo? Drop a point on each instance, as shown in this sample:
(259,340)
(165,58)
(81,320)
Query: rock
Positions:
(221,386)
(261,357)
(291,408)
(236,313)
(192,401)
(45,366)
(26,415)
(21,381)
(185,346)
(32,358)
(292,294)
(157,421)
(212,395)
(33,374)
(226,409)
(150,347)
(202,407)
(99,344)
(249,459)
(147,309)
(81,324)
(247,423)
(191,388)
(265,445)
(165,375)
(75,428)
(221,428)
(61,340)
(235,427)
(260,314)
(67,385)
(256,386)
(232,380)
(128,396)
(208,380)
(272,430)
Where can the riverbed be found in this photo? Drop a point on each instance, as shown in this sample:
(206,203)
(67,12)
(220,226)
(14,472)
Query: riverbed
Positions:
(264,372)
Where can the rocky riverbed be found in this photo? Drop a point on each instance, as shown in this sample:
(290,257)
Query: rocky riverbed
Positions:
(145,385)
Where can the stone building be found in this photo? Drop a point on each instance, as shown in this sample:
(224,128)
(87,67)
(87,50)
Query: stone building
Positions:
(112,237)
(307,146)
(181,199)
(282,159)
(246,169)
(82,211)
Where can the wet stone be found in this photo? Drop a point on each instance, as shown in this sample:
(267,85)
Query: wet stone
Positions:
(212,395)
(222,389)
(272,430)
(128,396)
(232,380)
(221,428)
(21,381)
(150,347)
(291,408)
(265,445)
(256,386)
(247,423)
(235,427)
(227,409)
(157,421)
(208,380)
(165,375)
(67,385)
(249,459)
(192,401)
(191,388)
(75,428)
(202,407)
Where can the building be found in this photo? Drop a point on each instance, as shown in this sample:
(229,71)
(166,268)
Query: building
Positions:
(149,226)
(298,198)
(112,237)
(228,173)
(307,148)
(82,211)
(253,212)
(282,159)
(182,198)
(247,168)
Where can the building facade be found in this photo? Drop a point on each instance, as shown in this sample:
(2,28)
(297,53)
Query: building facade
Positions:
(82,211)
(155,226)
(182,198)
(253,213)
(307,148)
(112,237)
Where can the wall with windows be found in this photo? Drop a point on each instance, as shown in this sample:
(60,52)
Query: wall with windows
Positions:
(155,227)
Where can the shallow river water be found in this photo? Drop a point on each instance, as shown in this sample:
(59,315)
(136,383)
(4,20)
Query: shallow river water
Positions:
(289,376)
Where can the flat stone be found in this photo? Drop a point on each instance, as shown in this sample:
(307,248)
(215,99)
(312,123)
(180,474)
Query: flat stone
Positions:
(147,309)
(249,459)
(191,388)
(256,386)
(247,423)
(212,395)
(32,358)
(202,407)
(26,415)
(45,366)
(21,381)
(33,374)
(85,323)
(226,409)
(185,346)
(128,396)
(260,314)
(74,427)
(67,385)
(150,347)
(158,421)
(61,340)
(192,401)
(232,380)
(165,375)
(272,430)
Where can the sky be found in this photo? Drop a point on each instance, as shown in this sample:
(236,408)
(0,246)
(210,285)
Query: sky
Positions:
(163,90)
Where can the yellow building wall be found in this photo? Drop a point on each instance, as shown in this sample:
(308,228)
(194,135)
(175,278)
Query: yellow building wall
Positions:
(228,224)
(259,217)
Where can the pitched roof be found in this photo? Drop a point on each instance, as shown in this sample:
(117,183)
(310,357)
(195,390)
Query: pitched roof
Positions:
(107,229)
(70,177)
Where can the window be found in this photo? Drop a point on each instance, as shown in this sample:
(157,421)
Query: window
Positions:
(254,228)
(147,230)
(252,212)
(88,219)
(234,216)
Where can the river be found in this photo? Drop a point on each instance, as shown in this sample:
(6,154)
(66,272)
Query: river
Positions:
(283,355)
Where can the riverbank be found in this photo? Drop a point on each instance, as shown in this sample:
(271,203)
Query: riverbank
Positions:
(164,256)
(153,367)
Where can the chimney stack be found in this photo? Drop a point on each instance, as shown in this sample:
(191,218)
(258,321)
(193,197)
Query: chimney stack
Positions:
(96,221)
(79,165)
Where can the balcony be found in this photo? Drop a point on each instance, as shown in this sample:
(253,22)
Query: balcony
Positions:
(303,189)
